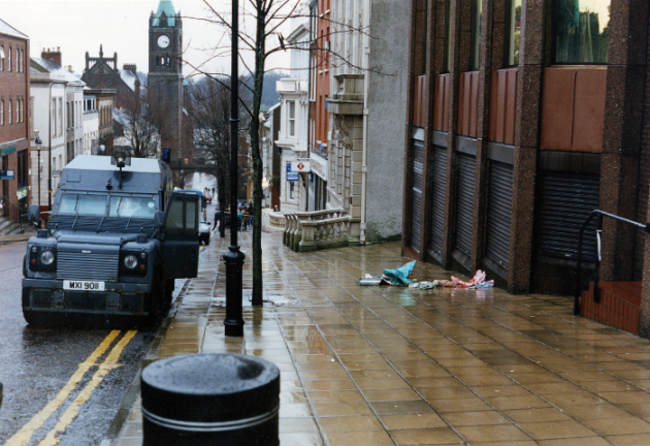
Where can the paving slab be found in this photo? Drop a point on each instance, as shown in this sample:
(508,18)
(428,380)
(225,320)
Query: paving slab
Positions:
(392,366)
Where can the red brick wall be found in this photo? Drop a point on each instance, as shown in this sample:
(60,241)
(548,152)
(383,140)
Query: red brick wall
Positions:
(321,64)
(644,179)
(14,136)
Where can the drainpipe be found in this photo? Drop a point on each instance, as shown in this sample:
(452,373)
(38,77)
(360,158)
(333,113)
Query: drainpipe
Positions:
(364,162)
(49,151)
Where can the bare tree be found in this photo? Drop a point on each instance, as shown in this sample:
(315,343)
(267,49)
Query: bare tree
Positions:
(142,123)
(269,17)
(211,111)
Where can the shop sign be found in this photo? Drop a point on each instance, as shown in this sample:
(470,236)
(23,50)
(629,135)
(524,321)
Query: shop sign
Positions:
(7,150)
(318,166)
(22,192)
(300,166)
(7,174)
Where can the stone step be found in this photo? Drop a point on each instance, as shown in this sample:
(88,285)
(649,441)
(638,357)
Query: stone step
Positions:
(4,224)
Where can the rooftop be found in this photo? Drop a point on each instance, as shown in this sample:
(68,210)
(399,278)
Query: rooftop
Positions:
(167,7)
(9,30)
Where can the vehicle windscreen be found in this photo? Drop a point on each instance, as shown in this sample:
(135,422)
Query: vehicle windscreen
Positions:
(83,205)
(91,205)
(132,207)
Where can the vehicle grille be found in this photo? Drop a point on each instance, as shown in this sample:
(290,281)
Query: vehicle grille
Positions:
(95,266)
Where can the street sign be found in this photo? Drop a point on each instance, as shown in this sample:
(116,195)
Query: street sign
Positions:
(7,150)
(7,174)
(291,174)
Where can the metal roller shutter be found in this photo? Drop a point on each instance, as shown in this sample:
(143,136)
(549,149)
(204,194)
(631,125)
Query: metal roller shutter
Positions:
(438,168)
(416,194)
(465,203)
(499,213)
(565,202)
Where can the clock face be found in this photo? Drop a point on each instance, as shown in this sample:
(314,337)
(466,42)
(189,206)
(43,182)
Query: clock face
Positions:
(163,41)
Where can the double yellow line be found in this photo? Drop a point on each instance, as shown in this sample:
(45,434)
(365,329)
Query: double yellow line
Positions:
(27,431)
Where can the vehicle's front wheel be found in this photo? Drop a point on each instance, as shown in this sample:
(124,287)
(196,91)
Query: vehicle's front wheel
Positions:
(155,300)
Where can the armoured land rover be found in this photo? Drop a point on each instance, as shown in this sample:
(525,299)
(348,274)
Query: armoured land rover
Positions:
(117,238)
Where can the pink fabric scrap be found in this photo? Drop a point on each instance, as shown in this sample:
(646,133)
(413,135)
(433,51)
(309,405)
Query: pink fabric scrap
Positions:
(477,280)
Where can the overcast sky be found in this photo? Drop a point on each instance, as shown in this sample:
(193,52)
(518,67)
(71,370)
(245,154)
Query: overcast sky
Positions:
(121,26)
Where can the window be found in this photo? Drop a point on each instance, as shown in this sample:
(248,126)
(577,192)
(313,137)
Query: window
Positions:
(291,190)
(60,118)
(9,59)
(582,31)
(475,49)
(9,111)
(19,111)
(448,35)
(89,205)
(2,112)
(292,117)
(132,207)
(53,124)
(2,58)
(513,32)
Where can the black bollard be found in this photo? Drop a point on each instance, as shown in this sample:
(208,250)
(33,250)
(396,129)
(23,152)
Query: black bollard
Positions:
(210,399)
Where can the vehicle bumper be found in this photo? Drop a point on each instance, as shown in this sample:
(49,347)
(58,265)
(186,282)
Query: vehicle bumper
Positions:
(118,298)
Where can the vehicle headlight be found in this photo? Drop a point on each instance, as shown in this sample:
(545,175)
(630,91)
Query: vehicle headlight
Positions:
(131,262)
(47,258)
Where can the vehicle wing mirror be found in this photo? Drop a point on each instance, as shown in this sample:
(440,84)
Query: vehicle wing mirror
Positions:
(34,214)
(159,219)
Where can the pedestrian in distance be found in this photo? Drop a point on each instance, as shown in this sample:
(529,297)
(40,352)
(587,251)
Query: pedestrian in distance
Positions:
(217,218)
(240,218)
(250,213)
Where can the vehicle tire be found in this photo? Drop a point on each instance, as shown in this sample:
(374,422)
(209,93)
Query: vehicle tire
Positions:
(154,300)
(36,318)
(169,294)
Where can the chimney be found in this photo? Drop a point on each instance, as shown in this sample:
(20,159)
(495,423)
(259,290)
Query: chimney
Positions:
(52,54)
(130,67)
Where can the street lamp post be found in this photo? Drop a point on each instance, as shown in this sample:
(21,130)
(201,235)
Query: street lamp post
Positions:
(38,143)
(234,258)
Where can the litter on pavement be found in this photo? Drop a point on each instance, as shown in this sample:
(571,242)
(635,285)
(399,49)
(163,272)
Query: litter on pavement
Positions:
(401,277)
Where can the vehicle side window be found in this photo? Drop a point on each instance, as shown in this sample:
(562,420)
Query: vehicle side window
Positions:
(190,216)
(175,215)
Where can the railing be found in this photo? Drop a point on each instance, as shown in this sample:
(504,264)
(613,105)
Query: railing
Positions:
(22,213)
(600,214)
(325,234)
(301,231)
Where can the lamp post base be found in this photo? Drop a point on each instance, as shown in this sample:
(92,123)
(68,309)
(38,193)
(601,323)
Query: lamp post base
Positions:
(234,260)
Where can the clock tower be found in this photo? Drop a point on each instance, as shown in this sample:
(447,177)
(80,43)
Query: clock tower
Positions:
(165,78)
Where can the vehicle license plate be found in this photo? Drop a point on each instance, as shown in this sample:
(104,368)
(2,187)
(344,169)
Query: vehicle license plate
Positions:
(82,285)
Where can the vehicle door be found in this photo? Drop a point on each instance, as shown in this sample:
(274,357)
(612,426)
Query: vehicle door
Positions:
(180,243)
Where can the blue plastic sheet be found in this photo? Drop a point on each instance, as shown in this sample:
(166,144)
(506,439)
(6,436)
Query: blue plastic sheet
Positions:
(399,276)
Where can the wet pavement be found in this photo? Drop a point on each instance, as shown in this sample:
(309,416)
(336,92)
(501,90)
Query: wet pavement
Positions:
(391,366)
(58,387)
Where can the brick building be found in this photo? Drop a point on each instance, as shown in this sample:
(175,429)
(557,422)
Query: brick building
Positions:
(319,91)
(15,127)
(524,116)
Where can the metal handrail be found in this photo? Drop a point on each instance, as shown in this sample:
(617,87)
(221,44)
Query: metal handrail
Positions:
(22,214)
(600,214)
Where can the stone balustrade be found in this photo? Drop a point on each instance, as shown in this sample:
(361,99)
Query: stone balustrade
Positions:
(310,231)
